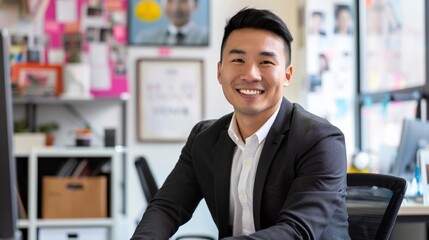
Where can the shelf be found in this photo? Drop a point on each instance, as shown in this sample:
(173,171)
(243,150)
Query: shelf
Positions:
(74,151)
(87,222)
(22,153)
(60,100)
(44,161)
(23,223)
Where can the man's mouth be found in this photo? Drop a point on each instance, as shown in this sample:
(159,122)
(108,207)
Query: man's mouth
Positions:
(250,91)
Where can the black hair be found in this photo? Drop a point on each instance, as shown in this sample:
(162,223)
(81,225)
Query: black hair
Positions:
(341,7)
(317,13)
(258,19)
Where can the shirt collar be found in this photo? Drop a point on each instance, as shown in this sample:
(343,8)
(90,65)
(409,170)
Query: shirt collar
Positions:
(173,30)
(261,133)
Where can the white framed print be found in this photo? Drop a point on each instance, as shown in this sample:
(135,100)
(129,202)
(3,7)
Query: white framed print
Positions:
(169,98)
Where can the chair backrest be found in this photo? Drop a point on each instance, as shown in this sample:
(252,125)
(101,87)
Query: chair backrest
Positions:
(373,202)
(150,188)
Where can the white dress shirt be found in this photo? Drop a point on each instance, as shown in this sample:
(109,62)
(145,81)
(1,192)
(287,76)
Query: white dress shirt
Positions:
(243,171)
(173,31)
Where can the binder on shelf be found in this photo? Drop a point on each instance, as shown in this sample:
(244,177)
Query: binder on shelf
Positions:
(100,168)
(68,167)
(82,169)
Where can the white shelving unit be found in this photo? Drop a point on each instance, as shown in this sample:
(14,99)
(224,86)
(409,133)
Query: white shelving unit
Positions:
(38,157)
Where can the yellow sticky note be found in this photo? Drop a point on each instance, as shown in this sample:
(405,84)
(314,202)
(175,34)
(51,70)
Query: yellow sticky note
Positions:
(148,10)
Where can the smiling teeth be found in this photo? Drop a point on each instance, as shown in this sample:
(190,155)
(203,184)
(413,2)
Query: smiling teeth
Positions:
(250,92)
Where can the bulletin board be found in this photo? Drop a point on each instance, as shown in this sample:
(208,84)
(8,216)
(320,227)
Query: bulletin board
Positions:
(91,32)
(331,59)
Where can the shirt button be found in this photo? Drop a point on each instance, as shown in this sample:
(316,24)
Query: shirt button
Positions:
(247,163)
(243,198)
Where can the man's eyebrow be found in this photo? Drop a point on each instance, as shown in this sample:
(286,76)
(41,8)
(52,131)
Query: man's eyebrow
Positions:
(268,54)
(236,51)
(263,53)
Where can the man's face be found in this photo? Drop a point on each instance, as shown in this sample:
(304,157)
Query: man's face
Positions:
(344,20)
(179,11)
(317,21)
(253,71)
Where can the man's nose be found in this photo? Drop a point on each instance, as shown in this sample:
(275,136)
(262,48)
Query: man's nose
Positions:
(251,72)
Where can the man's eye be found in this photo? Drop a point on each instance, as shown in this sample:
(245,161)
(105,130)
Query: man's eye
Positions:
(238,60)
(267,62)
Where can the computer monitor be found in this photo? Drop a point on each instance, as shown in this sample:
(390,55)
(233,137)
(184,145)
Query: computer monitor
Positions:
(8,202)
(414,134)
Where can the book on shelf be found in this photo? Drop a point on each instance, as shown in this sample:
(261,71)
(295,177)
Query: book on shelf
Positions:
(22,213)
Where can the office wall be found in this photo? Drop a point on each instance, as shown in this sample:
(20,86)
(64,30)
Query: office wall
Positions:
(163,156)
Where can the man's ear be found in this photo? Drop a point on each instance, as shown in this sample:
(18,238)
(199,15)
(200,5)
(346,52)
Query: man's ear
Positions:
(288,75)
(219,67)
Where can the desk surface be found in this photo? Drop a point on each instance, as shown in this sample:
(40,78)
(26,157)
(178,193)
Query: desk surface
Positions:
(414,209)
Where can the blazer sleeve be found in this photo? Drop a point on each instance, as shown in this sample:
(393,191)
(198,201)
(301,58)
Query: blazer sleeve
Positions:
(176,200)
(316,198)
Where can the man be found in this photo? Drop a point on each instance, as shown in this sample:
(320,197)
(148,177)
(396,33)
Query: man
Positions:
(181,30)
(343,20)
(317,20)
(270,169)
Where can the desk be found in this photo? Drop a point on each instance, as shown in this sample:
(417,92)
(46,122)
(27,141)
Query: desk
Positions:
(409,222)
(413,212)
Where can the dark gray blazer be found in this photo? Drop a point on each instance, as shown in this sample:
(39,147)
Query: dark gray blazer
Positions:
(299,190)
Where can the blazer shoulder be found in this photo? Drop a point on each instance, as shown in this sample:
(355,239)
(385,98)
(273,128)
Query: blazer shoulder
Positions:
(213,125)
(308,123)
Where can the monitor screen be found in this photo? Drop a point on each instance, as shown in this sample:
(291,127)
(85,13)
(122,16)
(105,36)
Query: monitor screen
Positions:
(381,130)
(414,135)
(393,45)
(8,200)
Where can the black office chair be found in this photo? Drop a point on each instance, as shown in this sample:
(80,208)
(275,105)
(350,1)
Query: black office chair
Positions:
(373,202)
(150,188)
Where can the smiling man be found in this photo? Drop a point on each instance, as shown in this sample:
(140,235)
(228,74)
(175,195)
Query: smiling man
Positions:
(270,169)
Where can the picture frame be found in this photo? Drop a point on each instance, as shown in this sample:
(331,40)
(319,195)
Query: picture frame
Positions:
(38,80)
(170,98)
(150,24)
(423,159)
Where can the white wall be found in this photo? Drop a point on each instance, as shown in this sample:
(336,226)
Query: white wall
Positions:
(162,157)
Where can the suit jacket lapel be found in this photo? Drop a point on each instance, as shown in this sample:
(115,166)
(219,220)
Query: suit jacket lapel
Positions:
(272,142)
(223,160)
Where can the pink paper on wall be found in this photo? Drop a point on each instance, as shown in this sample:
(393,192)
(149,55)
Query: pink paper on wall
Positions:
(119,84)
(54,32)
(120,33)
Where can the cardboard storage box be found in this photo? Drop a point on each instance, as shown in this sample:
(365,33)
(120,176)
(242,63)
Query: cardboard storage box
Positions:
(93,233)
(83,197)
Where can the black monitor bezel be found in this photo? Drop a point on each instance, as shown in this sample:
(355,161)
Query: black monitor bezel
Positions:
(8,199)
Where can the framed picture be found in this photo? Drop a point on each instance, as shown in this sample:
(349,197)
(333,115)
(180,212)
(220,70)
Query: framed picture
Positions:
(423,156)
(38,80)
(169,98)
(169,22)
